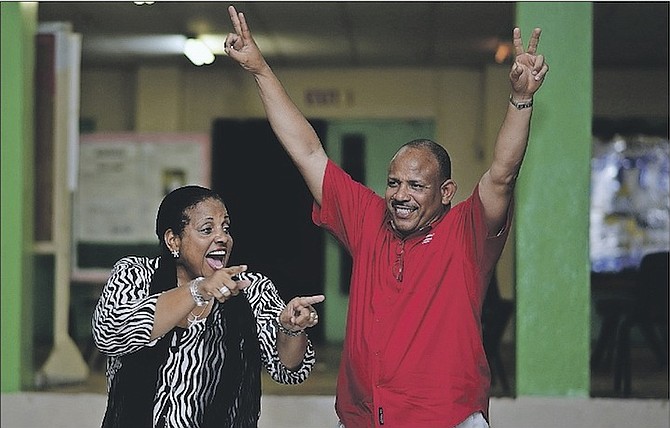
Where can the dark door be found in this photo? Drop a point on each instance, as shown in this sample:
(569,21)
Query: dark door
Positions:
(270,208)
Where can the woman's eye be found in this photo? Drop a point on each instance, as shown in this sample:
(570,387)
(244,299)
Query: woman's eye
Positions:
(206,230)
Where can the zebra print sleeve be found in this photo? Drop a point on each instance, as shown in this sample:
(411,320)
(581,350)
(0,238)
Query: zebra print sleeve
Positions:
(124,315)
(267,304)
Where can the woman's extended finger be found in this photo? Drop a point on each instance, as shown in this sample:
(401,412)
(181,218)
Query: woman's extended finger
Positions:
(297,304)
(229,272)
(311,300)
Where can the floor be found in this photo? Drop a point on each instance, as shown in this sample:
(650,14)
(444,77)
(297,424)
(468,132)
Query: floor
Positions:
(311,404)
(63,410)
(648,381)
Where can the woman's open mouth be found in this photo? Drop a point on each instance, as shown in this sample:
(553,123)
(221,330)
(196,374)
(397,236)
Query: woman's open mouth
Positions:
(216,259)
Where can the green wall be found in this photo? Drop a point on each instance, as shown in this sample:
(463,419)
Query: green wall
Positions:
(552,220)
(19,21)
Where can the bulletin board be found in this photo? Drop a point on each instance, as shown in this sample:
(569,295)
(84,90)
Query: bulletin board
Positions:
(121,182)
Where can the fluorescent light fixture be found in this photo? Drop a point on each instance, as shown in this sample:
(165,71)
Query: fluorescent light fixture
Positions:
(198,52)
(124,46)
(214,42)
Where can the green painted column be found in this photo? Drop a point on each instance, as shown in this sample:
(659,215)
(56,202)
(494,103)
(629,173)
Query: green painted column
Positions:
(19,22)
(552,220)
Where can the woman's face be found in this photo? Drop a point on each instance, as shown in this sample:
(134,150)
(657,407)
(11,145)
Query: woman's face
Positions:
(205,243)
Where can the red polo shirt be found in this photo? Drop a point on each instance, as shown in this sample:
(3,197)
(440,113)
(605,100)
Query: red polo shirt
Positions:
(413,354)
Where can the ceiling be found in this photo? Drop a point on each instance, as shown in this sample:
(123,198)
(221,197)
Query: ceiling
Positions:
(347,34)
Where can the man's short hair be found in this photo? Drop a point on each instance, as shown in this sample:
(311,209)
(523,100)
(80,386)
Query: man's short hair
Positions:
(440,153)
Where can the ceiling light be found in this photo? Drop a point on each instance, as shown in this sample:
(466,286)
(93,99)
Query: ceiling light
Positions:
(214,42)
(503,51)
(198,52)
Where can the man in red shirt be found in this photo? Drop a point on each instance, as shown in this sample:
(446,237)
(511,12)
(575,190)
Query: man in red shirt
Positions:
(413,353)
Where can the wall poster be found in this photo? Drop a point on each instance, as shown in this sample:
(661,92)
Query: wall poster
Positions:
(122,180)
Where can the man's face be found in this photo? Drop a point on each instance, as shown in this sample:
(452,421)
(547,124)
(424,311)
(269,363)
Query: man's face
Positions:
(414,195)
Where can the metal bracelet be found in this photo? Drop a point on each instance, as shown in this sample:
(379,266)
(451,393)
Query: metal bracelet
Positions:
(195,293)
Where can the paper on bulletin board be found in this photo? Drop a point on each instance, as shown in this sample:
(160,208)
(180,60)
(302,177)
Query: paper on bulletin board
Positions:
(123,178)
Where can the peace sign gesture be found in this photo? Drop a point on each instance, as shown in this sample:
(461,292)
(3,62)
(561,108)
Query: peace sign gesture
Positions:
(529,68)
(241,46)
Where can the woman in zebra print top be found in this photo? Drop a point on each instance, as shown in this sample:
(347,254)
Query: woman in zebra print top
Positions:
(186,335)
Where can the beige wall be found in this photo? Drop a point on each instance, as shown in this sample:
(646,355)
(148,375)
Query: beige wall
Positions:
(199,95)
(466,104)
(108,97)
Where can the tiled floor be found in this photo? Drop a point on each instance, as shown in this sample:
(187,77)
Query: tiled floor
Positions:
(649,380)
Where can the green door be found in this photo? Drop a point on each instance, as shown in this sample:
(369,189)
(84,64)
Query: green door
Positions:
(379,139)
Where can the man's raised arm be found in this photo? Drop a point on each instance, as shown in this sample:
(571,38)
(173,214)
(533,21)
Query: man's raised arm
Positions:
(292,129)
(497,184)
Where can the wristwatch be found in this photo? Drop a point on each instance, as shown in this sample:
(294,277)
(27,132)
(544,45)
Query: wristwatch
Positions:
(521,104)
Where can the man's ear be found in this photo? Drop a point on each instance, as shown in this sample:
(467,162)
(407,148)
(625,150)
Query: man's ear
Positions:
(448,190)
(171,240)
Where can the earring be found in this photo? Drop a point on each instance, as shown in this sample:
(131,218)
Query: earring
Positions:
(175,254)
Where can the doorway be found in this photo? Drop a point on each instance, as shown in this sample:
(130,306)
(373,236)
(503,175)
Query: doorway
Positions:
(270,208)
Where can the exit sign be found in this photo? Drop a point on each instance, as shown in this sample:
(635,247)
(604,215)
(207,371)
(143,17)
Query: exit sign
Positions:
(323,97)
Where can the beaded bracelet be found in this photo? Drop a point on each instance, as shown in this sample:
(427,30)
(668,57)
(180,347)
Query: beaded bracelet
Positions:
(286,331)
(195,293)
